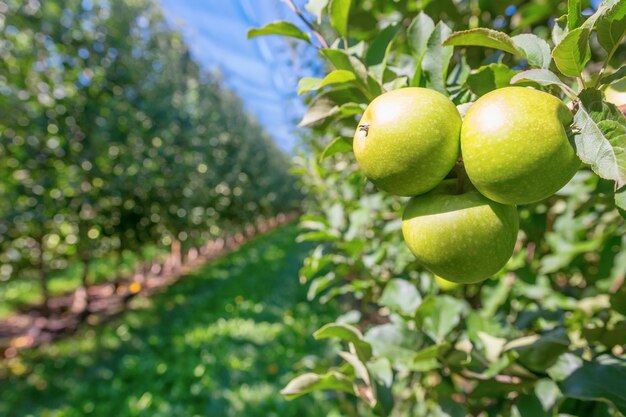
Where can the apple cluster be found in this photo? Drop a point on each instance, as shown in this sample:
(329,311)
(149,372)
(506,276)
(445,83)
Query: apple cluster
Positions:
(465,176)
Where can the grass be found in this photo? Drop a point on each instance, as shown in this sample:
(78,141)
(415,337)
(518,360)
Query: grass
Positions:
(221,342)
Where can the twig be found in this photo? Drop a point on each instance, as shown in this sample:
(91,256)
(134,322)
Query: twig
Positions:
(317,34)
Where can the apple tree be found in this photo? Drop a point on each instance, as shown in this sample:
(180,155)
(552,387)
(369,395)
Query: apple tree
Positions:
(469,316)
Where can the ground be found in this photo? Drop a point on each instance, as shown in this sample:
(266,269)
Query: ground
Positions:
(220,342)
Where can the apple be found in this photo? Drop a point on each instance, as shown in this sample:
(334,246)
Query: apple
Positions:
(462,237)
(444,284)
(515,145)
(408,140)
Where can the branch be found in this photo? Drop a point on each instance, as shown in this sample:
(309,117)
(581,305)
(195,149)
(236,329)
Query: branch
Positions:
(317,34)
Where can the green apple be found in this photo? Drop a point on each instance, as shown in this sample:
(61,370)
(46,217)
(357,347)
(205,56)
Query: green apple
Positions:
(515,145)
(408,140)
(462,237)
(444,284)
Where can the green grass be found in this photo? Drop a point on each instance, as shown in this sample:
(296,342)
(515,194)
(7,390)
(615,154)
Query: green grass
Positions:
(221,342)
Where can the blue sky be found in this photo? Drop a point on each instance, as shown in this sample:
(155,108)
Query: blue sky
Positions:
(263,71)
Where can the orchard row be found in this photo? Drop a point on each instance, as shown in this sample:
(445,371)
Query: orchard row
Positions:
(114,139)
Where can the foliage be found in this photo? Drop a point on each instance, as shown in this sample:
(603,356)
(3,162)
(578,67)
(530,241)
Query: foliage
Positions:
(546,335)
(114,139)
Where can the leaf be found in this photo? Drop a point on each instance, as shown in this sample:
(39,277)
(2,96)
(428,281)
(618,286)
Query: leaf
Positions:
(600,380)
(538,353)
(342,61)
(490,77)
(488,38)
(340,144)
(376,58)
(347,333)
(310,382)
(618,299)
(322,107)
(536,50)
(559,30)
(437,316)
(418,34)
(316,8)
(395,342)
(426,359)
(339,13)
(616,76)
(574,15)
(359,367)
(572,54)
(620,203)
(401,296)
(601,141)
(279,28)
(611,26)
(437,58)
(308,84)
(320,235)
(543,77)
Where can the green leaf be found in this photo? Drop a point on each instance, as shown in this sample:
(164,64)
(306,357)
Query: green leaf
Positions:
(488,38)
(437,58)
(322,107)
(426,359)
(620,203)
(572,54)
(543,77)
(347,333)
(536,50)
(600,380)
(611,26)
(340,144)
(398,82)
(490,77)
(308,84)
(279,28)
(574,15)
(310,382)
(437,316)
(395,342)
(618,299)
(614,77)
(417,37)
(339,13)
(342,61)
(316,8)
(559,30)
(359,367)
(376,58)
(538,353)
(401,296)
(601,141)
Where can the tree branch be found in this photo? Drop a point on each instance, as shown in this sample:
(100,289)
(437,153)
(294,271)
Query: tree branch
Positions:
(317,34)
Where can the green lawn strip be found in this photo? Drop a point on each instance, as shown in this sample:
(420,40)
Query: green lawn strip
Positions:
(220,342)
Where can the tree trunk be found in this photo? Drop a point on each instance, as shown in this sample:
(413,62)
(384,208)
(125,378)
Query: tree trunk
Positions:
(80,304)
(43,277)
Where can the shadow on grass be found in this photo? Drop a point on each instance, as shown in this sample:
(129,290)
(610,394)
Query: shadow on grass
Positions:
(220,342)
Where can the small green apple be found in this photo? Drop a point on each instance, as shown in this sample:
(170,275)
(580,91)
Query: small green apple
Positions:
(463,238)
(515,145)
(408,140)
